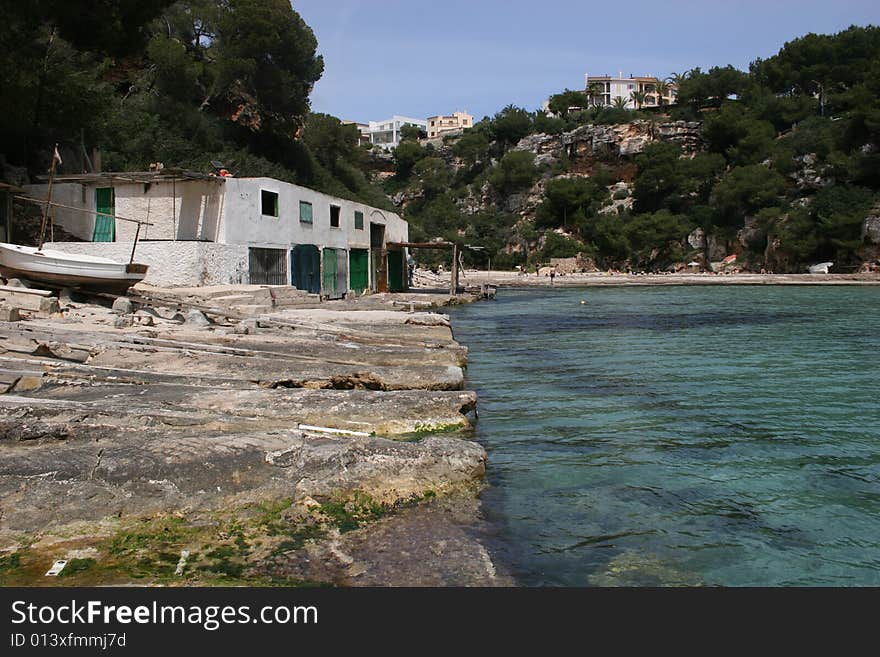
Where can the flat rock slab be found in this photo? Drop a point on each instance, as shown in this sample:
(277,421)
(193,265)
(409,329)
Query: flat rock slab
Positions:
(100,423)
(397,413)
(59,474)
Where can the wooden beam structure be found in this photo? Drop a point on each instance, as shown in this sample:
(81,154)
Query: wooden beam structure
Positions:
(453,283)
(454,246)
(420,245)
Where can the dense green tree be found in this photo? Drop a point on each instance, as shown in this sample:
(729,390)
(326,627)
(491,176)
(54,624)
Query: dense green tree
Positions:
(606,232)
(434,176)
(331,140)
(510,125)
(550,125)
(411,133)
(568,202)
(266,60)
(744,191)
(839,212)
(436,217)
(559,246)
(797,233)
(820,64)
(472,147)
(492,231)
(116,28)
(406,155)
(659,181)
(515,171)
(660,230)
(562,103)
(713,87)
(735,133)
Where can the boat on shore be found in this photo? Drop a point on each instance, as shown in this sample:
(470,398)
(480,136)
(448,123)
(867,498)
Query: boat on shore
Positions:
(59,269)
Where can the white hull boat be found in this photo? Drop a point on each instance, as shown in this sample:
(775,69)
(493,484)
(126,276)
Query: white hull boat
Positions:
(60,269)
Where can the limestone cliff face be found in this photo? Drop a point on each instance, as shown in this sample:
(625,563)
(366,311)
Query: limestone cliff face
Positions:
(592,143)
(613,146)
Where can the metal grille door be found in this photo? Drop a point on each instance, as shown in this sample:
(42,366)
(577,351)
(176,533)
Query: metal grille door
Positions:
(267,266)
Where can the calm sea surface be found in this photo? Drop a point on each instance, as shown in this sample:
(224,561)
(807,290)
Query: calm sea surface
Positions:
(681,435)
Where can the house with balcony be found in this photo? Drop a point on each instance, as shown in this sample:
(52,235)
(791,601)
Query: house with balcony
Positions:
(200,229)
(438,126)
(604,89)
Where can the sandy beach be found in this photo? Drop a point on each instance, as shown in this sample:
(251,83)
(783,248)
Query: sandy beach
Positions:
(516,279)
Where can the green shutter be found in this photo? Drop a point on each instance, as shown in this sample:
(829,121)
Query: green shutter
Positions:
(105,220)
(358,220)
(305,212)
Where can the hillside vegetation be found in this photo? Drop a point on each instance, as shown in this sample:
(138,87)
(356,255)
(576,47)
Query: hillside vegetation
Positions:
(182,83)
(779,164)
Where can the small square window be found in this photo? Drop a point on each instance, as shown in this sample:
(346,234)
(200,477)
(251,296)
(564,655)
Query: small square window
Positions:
(305,212)
(269,203)
(334,216)
(358,220)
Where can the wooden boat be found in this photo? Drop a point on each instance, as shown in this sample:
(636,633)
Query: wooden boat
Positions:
(59,269)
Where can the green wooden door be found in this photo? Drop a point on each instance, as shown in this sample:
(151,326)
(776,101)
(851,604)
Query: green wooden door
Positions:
(105,223)
(396,271)
(358,266)
(328,278)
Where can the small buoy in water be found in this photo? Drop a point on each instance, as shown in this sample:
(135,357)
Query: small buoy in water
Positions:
(583,303)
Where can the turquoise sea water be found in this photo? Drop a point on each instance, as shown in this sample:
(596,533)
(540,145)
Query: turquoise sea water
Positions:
(681,435)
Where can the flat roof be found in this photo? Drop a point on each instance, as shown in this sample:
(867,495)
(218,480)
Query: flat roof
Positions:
(163,175)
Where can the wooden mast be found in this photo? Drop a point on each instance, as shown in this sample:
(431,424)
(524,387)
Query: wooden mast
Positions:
(48,198)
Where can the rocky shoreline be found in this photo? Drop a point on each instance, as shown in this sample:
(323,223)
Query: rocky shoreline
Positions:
(307,445)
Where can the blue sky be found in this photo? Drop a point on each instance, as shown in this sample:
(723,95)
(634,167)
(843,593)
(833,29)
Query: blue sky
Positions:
(384,57)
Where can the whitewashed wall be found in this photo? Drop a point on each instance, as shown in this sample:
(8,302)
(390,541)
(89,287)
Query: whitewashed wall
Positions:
(186,210)
(243,222)
(173,264)
(80,224)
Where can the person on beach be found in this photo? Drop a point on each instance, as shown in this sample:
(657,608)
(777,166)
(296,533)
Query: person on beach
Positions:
(552,275)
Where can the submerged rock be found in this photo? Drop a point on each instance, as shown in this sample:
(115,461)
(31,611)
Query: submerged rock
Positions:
(636,569)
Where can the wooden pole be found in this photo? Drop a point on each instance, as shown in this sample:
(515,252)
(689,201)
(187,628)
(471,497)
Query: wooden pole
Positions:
(453,285)
(134,246)
(138,232)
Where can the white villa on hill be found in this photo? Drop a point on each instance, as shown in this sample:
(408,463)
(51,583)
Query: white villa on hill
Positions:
(603,89)
(387,133)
